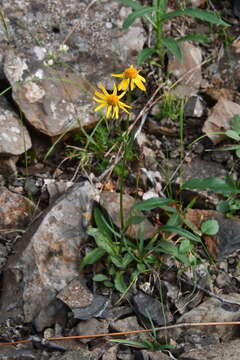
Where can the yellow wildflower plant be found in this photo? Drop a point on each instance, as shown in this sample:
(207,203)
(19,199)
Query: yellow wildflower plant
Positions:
(131,78)
(111,101)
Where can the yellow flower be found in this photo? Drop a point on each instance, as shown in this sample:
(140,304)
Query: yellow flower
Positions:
(131,78)
(111,101)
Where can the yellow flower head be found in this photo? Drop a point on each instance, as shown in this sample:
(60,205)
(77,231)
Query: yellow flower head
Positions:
(111,101)
(131,78)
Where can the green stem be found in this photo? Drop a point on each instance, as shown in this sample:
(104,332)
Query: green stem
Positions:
(159,31)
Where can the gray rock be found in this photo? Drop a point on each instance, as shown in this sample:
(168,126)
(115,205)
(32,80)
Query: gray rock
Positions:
(194,107)
(21,354)
(219,119)
(50,261)
(95,309)
(150,355)
(14,137)
(212,310)
(189,70)
(226,351)
(73,355)
(90,327)
(15,210)
(151,308)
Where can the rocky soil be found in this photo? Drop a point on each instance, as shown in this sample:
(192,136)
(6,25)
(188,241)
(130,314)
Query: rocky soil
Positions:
(53,55)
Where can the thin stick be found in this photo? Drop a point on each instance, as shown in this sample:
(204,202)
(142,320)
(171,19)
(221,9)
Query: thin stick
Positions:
(220,323)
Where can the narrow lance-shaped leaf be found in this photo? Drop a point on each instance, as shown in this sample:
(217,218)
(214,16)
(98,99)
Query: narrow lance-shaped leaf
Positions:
(152,203)
(92,257)
(119,282)
(182,232)
(136,14)
(144,55)
(196,13)
(194,37)
(102,241)
(173,47)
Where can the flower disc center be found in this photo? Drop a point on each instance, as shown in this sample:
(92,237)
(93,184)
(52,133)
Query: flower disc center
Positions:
(130,73)
(112,100)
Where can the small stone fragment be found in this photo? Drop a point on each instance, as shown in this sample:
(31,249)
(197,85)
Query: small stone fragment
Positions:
(219,119)
(90,327)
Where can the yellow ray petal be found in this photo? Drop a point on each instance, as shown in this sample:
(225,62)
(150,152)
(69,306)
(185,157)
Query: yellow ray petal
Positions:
(99,107)
(132,84)
(122,94)
(99,100)
(140,84)
(114,89)
(103,89)
(116,112)
(109,109)
(123,84)
(102,96)
(118,75)
(122,104)
(141,78)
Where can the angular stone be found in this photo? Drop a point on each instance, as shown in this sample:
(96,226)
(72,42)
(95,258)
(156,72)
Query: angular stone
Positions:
(51,258)
(149,307)
(219,119)
(53,103)
(111,202)
(14,137)
(212,310)
(15,210)
(226,351)
(190,68)
(90,327)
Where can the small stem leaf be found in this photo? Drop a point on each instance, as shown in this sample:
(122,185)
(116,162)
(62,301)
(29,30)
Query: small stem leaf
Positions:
(173,47)
(91,257)
(194,37)
(100,277)
(152,203)
(182,232)
(168,248)
(144,55)
(196,13)
(215,184)
(136,14)
(119,283)
(210,227)
(101,222)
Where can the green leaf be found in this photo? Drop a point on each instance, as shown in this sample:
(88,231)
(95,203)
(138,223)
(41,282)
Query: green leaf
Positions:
(135,219)
(223,206)
(92,257)
(152,203)
(136,14)
(100,277)
(212,183)
(235,123)
(182,232)
(173,47)
(132,343)
(174,220)
(210,227)
(108,284)
(119,282)
(185,246)
(194,37)
(196,13)
(141,268)
(101,222)
(183,258)
(233,134)
(144,55)
(133,4)
(127,259)
(102,241)
(168,248)
(238,153)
